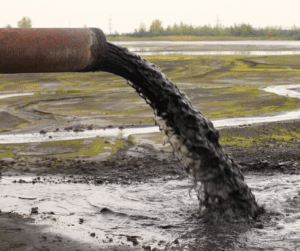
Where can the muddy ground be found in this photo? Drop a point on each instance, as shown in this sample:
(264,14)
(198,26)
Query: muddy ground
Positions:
(102,99)
(139,162)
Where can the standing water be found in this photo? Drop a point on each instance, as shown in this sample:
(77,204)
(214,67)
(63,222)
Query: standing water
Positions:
(157,213)
(245,48)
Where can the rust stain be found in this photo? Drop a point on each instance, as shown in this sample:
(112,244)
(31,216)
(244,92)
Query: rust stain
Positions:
(45,50)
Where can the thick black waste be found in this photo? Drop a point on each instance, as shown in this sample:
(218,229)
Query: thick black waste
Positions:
(220,183)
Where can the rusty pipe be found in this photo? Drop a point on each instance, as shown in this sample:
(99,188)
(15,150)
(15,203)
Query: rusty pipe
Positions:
(51,50)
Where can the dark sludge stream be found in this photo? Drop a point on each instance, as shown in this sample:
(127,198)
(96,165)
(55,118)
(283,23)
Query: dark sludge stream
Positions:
(218,179)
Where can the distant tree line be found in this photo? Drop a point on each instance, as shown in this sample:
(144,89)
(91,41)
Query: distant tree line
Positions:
(237,30)
(25,22)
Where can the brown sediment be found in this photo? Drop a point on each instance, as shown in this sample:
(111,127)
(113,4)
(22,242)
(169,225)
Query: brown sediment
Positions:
(219,180)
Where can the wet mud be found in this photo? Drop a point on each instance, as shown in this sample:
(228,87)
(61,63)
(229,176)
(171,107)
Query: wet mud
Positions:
(141,163)
(8,120)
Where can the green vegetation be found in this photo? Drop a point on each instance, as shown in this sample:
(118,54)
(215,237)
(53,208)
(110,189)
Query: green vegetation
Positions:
(69,91)
(240,101)
(219,86)
(98,145)
(127,38)
(64,148)
(236,31)
(261,135)
(6,153)
(25,22)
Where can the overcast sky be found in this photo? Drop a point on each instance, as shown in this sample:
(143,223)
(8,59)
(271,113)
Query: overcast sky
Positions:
(127,15)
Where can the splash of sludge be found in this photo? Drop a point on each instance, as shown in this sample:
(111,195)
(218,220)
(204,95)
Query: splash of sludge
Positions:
(220,183)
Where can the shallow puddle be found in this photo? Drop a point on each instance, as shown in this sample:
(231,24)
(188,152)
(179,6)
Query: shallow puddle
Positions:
(157,213)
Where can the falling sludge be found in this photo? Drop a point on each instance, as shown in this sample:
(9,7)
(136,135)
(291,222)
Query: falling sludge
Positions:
(218,179)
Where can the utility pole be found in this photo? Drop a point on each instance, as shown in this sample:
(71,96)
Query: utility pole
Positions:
(218,22)
(109,24)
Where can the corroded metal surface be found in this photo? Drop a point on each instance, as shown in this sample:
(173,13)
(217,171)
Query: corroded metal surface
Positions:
(51,50)
(220,183)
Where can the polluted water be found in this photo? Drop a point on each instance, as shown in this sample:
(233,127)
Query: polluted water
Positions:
(158,213)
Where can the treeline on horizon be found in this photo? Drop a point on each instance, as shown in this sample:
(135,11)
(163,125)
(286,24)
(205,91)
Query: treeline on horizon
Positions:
(238,30)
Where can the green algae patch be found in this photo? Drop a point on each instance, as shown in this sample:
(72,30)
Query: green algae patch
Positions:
(64,148)
(5,152)
(86,147)
(219,86)
(75,144)
(257,66)
(131,139)
(100,146)
(292,61)
(69,91)
(230,109)
(158,138)
(245,100)
(262,136)
(162,58)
